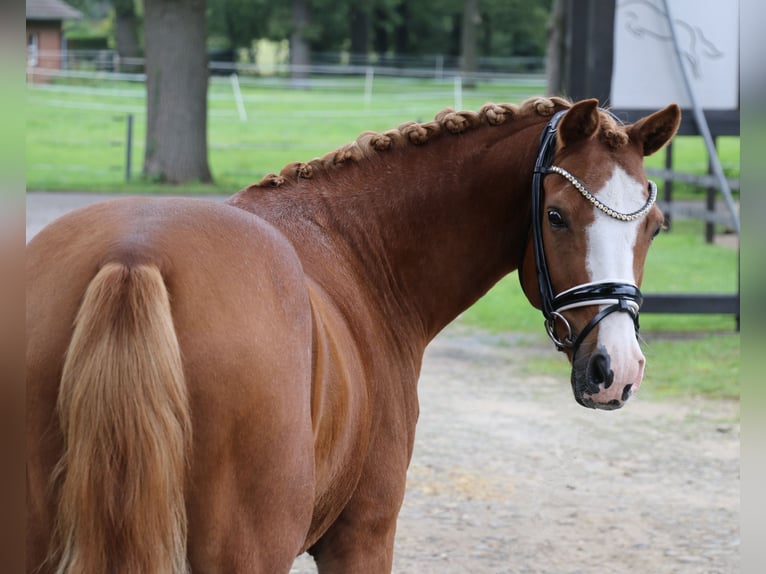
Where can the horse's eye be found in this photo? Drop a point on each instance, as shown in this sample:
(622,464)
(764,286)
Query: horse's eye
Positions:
(556,220)
(656,232)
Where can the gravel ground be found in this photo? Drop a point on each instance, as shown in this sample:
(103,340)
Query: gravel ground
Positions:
(510,475)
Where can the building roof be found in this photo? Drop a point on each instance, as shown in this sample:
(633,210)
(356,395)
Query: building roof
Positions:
(51,10)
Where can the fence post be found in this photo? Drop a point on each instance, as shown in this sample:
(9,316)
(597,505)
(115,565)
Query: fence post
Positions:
(238,97)
(458,93)
(439,71)
(710,199)
(129,148)
(369,76)
(668,188)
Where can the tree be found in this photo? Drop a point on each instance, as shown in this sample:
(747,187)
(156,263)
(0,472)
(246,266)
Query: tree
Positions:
(300,58)
(515,27)
(557,48)
(390,28)
(126,30)
(91,8)
(239,22)
(176,91)
(469,42)
(359,23)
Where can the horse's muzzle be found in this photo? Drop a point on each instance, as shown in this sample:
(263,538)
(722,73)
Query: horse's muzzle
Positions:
(594,383)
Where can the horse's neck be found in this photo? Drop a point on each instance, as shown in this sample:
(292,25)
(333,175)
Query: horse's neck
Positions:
(421,232)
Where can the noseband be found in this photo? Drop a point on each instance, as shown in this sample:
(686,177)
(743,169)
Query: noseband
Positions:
(615,296)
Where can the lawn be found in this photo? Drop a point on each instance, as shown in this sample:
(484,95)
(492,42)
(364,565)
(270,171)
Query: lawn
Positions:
(690,156)
(76,132)
(76,129)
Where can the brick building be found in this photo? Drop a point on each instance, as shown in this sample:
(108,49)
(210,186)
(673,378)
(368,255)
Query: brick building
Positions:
(45,40)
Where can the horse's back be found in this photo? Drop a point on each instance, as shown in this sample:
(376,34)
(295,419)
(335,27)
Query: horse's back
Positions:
(233,281)
(243,322)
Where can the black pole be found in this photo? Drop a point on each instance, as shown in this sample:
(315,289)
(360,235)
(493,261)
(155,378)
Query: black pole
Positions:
(668,191)
(129,147)
(590,37)
(710,200)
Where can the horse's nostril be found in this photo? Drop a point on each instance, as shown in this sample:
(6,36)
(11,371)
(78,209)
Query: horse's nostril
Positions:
(600,371)
(626,392)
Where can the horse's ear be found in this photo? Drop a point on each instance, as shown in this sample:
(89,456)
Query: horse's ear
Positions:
(656,130)
(579,123)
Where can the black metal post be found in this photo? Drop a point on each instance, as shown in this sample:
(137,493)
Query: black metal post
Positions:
(710,200)
(590,36)
(668,190)
(129,148)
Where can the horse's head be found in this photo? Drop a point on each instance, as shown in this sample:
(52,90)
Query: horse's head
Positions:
(584,263)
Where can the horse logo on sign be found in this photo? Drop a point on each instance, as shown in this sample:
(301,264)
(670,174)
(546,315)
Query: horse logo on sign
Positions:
(645,20)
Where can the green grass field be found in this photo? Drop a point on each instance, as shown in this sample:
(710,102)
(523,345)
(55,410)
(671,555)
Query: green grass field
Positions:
(690,156)
(76,131)
(76,141)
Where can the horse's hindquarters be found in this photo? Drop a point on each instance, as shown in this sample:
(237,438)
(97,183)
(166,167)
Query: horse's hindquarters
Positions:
(242,322)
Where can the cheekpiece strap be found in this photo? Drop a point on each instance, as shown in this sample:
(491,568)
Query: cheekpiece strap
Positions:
(611,296)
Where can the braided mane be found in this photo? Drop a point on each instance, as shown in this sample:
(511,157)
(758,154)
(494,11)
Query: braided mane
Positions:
(447,121)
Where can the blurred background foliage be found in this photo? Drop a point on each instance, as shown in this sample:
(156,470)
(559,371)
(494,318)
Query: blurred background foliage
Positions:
(381,27)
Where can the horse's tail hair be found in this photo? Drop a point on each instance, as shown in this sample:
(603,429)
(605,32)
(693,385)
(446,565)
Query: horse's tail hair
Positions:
(124,414)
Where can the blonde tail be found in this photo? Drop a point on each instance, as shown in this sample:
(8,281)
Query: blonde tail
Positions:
(125,419)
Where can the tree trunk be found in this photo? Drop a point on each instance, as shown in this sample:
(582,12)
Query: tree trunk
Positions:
(469,42)
(402,31)
(380,36)
(300,57)
(176,91)
(557,48)
(126,34)
(359,21)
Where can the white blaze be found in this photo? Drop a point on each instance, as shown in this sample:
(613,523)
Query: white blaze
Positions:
(610,258)
(610,240)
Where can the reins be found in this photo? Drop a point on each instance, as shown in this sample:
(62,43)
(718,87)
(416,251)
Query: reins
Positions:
(617,296)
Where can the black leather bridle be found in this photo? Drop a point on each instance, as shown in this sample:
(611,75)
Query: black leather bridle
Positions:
(613,296)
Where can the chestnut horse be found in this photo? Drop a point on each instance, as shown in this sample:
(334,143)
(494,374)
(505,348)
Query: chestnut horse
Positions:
(219,387)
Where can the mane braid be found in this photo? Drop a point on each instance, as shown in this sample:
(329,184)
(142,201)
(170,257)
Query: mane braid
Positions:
(447,121)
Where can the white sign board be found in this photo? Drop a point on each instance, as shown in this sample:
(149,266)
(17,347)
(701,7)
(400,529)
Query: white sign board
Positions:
(647,74)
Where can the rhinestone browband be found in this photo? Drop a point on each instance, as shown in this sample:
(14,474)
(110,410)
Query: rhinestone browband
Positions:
(602,206)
